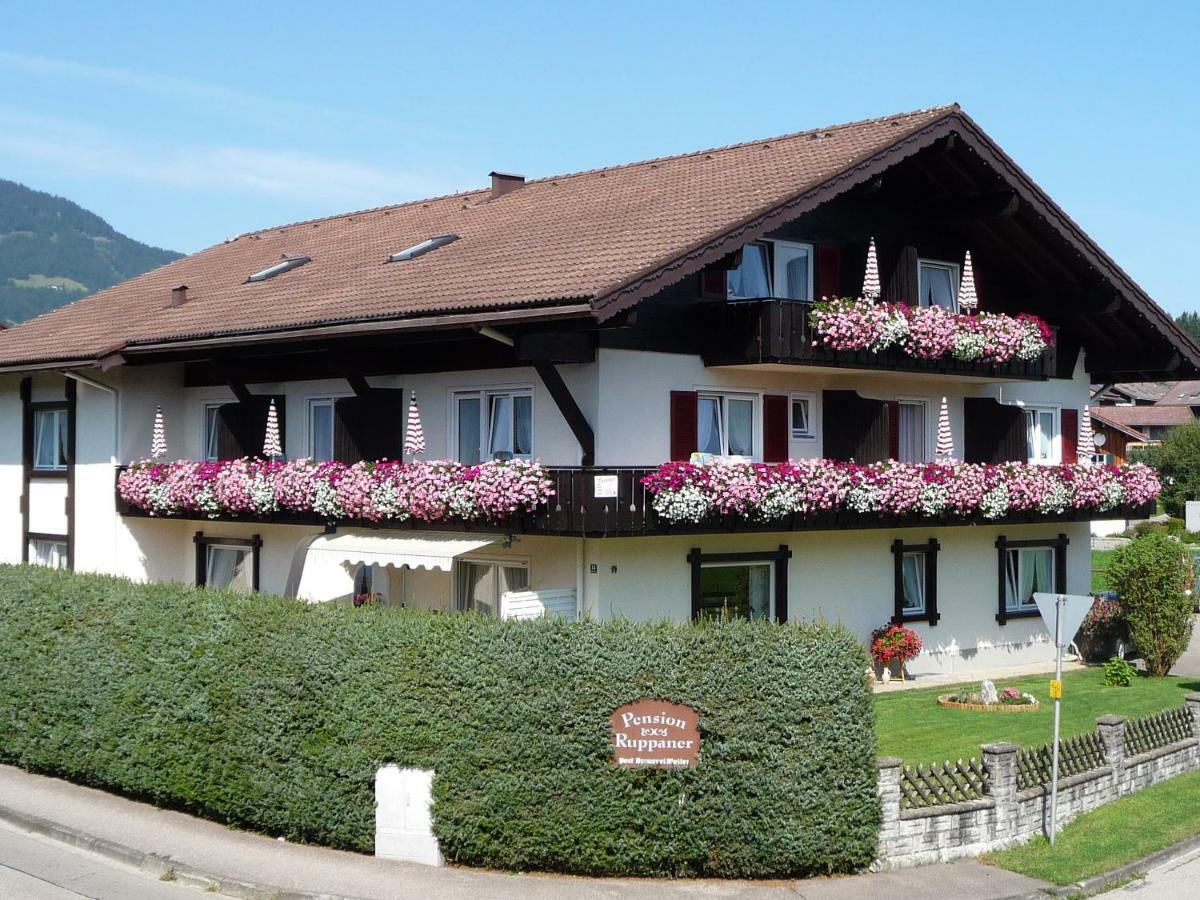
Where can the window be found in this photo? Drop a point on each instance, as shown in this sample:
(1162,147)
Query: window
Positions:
(803,426)
(916,582)
(370,584)
(288,263)
(740,585)
(227,563)
(726,425)
(1027,568)
(772,269)
(914,431)
(320,429)
(1041,435)
(937,284)
(50,440)
(212,432)
(481,583)
(493,424)
(422,248)
(48,551)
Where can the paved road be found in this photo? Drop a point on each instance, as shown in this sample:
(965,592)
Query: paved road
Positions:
(1170,881)
(33,868)
(1189,663)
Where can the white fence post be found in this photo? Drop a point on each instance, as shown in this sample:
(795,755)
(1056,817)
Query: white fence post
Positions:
(403,825)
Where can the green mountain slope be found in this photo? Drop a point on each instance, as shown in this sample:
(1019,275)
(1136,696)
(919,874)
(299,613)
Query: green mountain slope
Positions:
(53,251)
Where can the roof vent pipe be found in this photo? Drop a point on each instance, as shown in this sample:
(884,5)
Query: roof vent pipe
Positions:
(505,183)
(179,295)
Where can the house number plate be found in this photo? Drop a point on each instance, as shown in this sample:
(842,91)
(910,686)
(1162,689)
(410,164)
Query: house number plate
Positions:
(604,486)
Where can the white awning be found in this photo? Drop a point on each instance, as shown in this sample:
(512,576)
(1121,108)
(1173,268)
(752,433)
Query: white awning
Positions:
(420,551)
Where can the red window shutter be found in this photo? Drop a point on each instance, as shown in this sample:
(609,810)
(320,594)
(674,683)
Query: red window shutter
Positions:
(775,428)
(684,424)
(714,281)
(1070,437)
(893,420)
(829,271)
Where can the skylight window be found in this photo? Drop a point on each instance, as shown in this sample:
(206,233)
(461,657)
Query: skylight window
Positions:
(422,248)
(289,263)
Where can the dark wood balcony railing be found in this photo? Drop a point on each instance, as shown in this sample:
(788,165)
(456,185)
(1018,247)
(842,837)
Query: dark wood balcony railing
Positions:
(584,505)
(746,332)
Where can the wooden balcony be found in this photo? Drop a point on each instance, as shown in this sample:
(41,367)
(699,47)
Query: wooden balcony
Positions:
(750,332)
(600,501)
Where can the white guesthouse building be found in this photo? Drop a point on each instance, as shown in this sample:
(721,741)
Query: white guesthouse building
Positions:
(602,323)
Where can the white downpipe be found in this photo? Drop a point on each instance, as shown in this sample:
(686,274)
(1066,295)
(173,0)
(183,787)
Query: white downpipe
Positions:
(580,581)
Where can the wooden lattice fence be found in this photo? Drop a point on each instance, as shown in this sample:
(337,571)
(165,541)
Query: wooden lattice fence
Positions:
(1151,732)
(1075,755)
(940,784)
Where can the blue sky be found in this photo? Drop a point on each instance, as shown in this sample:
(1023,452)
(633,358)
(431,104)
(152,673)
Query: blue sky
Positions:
(183,124)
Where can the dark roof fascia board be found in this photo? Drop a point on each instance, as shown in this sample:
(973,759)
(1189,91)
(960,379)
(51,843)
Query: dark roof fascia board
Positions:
(955,121)
(372,327)
(50,365)
(631,292)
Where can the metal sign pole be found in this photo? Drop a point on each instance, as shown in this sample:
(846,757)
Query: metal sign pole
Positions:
(1058,605)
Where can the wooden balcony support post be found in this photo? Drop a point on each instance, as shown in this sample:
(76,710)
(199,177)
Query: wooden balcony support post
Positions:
(569,409)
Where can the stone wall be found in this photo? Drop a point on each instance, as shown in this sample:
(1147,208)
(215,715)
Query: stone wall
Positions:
(1004,815)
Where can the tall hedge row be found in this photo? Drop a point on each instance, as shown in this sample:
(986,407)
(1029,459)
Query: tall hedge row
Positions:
(274,715)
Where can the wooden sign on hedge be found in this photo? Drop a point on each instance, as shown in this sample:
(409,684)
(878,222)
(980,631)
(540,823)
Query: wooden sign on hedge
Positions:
(655,733)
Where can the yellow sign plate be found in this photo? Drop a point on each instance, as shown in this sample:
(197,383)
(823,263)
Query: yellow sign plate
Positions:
(1055,689)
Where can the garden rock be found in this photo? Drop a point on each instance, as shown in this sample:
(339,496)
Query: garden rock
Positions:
(987,693)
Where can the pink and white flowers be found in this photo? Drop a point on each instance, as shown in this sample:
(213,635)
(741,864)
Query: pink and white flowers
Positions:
(928,332)
(372,491)
(765,492)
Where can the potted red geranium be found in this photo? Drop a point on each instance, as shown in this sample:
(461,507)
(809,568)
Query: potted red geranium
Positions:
(894,645)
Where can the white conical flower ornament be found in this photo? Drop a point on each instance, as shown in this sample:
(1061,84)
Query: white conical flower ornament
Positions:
(1087,445)
(871,289)
(945,441)
(158,441)
(966,286)
(414,435)
(271,445)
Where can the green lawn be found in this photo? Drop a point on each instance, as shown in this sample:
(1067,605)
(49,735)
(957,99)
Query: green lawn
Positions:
(1100,841)
(911,725)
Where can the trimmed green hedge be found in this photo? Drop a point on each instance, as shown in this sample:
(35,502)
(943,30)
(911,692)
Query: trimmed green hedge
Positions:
(274,715)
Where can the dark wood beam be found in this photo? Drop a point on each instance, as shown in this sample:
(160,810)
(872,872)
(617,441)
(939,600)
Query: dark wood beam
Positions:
(570,410)
(359,385)
(239,391)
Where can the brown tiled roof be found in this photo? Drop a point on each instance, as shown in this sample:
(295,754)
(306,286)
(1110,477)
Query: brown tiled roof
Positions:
(1144,416)
(570,237)
(1099,414)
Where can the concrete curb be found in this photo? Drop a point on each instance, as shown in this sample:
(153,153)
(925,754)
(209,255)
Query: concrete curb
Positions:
(1098,883)
(153,864)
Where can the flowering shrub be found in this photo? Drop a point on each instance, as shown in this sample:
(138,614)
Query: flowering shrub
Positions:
(766,492)
(372,491)
(894,642)
(928,332)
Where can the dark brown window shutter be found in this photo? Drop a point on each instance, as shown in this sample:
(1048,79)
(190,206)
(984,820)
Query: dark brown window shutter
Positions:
(893,412)
(242,427)
(714,281)
(776,428)
(902,286)
(369,427)
(855,427)
(1070,437)
(829,271)
(684,424)
(993,432)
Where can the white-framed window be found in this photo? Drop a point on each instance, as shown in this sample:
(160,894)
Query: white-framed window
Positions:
(371,584)
(913,565)
(770,268)
(914,430)
(228,566)
(737,590)
(48,552)
(1042,434)
(493,423)
(937,283)
(50,440)
(479,583)
(321,417)
(212,432)
(1027,571)
(726,424)
(803,417)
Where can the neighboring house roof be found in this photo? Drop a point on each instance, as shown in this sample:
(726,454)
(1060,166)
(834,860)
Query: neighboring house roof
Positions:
(1138,391)
(1147,416)
(1181,393)
(1100,415)
(592,243)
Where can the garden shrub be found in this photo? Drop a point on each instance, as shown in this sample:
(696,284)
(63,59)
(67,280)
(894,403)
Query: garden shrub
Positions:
(1119,673)
(1177,459)
(1152,576)
(274,715)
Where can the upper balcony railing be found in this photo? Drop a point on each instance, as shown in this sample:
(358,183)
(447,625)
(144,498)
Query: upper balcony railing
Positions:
(598,501)
(747,332)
